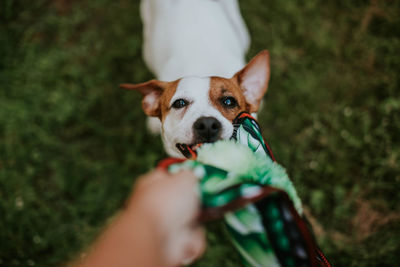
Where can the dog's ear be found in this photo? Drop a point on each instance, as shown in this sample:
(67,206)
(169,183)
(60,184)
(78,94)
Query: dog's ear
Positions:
(253,79)
(151,91)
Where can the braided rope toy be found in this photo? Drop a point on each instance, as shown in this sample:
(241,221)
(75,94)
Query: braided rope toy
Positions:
(241,182)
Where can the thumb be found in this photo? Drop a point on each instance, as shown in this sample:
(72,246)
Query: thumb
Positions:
(195,247)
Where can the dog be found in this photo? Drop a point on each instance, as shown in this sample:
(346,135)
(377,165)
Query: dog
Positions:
(196,49)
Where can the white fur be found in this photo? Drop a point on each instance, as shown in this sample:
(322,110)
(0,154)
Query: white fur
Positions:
(177,126)
(193,38)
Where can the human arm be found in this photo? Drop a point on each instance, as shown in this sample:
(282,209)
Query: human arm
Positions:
(158,227)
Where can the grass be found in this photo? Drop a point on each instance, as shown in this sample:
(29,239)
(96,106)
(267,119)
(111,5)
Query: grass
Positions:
(72,143)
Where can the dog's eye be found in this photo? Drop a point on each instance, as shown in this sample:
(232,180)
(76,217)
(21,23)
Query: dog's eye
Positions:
(179,103)
(229,102)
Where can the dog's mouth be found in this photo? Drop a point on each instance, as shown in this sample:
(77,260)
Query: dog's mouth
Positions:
(198,143)
(193,146)
(189,150)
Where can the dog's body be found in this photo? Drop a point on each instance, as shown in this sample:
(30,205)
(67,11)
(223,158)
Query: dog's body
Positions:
(199,38)
(197,48)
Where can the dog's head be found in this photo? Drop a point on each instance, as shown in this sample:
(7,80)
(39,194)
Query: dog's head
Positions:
(196,110)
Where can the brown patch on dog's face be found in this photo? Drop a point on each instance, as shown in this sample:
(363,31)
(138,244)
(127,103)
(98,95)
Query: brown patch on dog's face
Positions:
(166,97)
(156,96)
(227,97)
(244,91)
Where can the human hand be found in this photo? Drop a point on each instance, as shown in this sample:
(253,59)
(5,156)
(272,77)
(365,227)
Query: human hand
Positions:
(170,204)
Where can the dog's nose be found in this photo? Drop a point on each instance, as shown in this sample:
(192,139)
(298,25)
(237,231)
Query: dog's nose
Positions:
(206,129)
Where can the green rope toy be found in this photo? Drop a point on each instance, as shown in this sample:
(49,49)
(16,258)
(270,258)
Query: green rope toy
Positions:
(241,182)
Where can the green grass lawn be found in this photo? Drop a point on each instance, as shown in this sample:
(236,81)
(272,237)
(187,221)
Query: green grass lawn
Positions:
(72,143)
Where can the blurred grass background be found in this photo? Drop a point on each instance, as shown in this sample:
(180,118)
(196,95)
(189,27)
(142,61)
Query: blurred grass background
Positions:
(72,143)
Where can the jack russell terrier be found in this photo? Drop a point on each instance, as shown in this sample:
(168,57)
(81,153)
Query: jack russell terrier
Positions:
(196,48)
